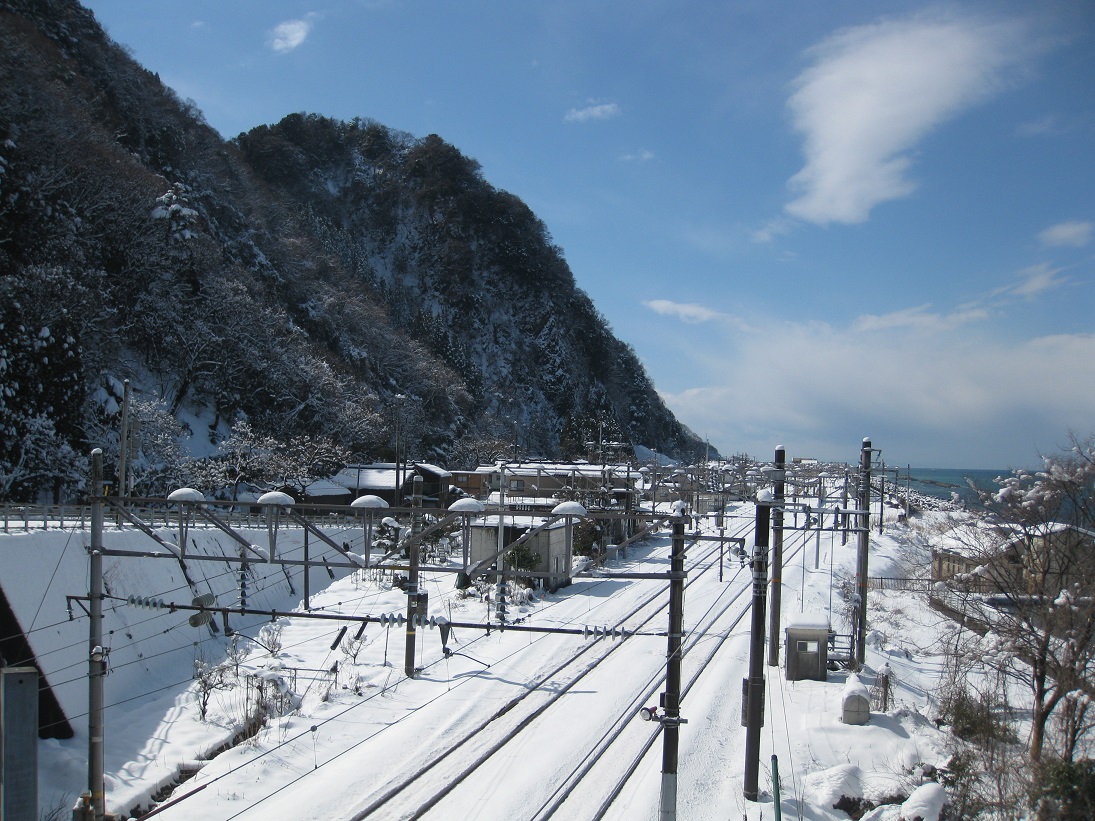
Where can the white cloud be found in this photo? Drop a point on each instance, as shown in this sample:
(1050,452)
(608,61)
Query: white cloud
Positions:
(638,156)
(290,35)
(1038,128)
(772,229)
(873,93)
(930,388)
(1075,233)
(1036,280)
(920,319)
(692,314)
(599,111)
(1030,282)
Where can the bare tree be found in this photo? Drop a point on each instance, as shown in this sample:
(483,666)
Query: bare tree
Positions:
(1035,586)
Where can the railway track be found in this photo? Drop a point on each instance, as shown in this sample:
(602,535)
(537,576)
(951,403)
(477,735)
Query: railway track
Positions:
(476,754)
(456,788)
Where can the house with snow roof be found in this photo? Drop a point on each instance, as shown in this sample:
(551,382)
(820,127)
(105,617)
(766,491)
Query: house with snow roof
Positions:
(394,483)
(1023,560)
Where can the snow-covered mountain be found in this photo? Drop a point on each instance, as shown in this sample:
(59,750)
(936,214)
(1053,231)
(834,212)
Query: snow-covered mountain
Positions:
(337,278)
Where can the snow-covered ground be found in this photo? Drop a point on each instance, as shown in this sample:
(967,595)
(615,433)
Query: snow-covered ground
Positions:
(347,727)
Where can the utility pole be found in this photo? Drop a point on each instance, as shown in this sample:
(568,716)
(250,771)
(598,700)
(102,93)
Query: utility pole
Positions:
(413,601)
(96,651)
(672,697)
(861,555)
(777,555)
(881,496)
(753,689)
(844,509)
(123,443)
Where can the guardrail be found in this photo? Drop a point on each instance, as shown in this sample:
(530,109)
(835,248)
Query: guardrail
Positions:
(22,518)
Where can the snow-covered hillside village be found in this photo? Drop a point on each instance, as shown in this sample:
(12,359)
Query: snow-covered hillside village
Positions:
(259,660)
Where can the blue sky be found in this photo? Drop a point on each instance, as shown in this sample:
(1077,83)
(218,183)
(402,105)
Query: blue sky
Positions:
(814,222)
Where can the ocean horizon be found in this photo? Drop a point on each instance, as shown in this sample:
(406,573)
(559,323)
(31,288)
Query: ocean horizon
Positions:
(945,483)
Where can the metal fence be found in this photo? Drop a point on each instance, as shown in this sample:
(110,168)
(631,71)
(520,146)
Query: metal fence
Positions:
(28,518)
(897,583)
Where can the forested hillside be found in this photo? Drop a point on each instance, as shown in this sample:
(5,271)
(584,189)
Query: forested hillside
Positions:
(321,281)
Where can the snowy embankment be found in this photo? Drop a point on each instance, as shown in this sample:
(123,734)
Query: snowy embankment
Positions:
(152,652)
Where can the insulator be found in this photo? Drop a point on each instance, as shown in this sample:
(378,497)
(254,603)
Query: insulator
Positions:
(338,638)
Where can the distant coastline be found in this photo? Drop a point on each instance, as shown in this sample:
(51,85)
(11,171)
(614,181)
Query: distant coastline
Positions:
(950,484)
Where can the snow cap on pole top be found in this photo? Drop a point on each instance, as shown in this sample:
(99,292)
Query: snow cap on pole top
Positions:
(276,497)
(568,509)
(186,494)
(368,500)
(467,505)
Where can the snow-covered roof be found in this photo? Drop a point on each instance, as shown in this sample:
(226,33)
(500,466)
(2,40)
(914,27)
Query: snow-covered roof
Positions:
(325,487)
(441,473)
(366,477)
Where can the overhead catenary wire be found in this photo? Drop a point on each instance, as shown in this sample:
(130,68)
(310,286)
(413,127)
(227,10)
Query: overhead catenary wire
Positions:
(354,706)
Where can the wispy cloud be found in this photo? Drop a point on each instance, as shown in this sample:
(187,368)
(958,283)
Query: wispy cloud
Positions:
(689,313)
(595,111)
(874,92)
(291,34)
(919,318)
(637,156)
(1074,233)
(693,314)
(772,229)
(1038,128)
(1033,281)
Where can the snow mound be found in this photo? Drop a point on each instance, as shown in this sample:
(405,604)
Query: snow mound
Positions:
(824,787)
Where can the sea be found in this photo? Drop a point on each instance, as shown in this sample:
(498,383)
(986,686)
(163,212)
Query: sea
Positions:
(944,483)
